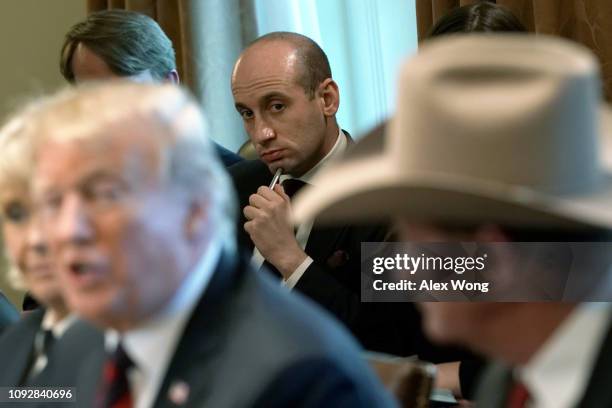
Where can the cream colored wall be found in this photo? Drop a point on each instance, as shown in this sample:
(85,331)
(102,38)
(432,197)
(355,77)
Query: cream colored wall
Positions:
(31,34)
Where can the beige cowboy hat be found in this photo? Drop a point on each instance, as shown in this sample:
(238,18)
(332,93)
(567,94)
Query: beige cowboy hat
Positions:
(494,128)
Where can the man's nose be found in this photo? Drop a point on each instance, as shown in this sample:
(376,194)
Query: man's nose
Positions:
(263,132)
(36,237)
(73,225)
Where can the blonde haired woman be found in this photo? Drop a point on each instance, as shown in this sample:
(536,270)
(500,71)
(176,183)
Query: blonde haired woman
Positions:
(25,346)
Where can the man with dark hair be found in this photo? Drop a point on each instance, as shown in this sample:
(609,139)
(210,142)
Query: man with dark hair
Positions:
(122,44)
(285,94)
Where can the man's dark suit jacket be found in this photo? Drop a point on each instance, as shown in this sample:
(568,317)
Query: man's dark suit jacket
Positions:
(333,280)
(496,382)
(249,343)
(227,156)
(8,313)
(17,352)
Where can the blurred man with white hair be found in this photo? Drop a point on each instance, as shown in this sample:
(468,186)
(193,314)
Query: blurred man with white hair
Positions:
(142,218)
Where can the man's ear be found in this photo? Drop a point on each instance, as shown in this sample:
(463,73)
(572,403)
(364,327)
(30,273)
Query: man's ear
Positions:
(330,96)
(196,220)
(173,77)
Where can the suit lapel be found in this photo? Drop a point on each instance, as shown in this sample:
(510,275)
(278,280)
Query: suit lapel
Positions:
(21,350)
(202,337)
(323,240)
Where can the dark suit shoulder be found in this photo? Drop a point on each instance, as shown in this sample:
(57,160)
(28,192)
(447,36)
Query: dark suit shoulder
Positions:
(253,334)
(250,173)
(326,383)
(296,340)
(227,156)
(8,313)
(16,347)
(29,323)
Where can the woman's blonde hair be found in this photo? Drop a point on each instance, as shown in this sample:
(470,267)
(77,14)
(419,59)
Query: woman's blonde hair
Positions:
(16,165)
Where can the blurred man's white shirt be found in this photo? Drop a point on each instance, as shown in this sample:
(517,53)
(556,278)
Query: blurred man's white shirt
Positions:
(557,375)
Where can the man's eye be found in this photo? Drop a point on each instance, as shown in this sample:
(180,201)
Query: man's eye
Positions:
(16,212)
(103,193)
(246,114)
(277,107)
(50,204)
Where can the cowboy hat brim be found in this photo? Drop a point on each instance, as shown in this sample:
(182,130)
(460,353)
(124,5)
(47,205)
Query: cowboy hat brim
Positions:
(372,189)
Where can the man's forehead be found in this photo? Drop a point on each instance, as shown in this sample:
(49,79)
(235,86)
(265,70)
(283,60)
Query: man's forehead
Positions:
(104,146)
(266,62)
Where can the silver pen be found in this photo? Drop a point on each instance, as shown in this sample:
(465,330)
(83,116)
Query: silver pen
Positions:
(277,175)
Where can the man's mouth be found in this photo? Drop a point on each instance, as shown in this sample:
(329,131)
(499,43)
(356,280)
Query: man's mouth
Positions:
(270,156)
(84,274)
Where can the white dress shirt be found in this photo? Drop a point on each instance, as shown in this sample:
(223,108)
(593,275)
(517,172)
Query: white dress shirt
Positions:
(303,230)
(557,375)
(152,345)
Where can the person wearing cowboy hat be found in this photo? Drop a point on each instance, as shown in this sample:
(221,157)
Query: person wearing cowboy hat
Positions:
(495,139)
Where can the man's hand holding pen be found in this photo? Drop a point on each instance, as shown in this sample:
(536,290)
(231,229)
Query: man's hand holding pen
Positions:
(269,226)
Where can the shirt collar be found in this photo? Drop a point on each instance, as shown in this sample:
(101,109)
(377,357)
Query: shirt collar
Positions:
(557,375)
(58,328)
(336,152)
(159,335)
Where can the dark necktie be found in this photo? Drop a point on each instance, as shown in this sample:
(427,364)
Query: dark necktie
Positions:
(43,342)
(518,396)
(291,187)
(115,389)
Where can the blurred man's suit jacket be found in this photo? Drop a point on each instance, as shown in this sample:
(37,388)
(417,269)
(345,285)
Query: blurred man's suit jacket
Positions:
(248,343)
(8,313)
(496,382)
(17,352)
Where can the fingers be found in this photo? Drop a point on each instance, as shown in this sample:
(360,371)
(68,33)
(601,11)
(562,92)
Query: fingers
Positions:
(267,193)
(259,201)
(251,212)
(265,197)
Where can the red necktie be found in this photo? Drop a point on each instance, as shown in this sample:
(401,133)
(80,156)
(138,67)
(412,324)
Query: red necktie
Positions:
(518,396)
(115,390)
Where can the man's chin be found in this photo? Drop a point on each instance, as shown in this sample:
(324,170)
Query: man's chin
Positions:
(94,308)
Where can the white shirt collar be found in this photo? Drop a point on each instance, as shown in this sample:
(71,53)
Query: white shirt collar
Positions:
(557,375)
(159,336)
(336,152)
(58,328)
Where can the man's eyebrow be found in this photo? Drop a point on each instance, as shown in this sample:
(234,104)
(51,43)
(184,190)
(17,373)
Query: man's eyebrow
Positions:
(272,95)
(99,175)
(239,106)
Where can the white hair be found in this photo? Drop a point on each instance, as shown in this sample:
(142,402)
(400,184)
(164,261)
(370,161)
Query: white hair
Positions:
(187,156)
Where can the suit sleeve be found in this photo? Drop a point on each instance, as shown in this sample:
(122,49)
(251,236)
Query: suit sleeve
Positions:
(318,382)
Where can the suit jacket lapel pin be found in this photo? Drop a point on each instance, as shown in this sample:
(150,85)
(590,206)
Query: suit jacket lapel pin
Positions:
(178,393)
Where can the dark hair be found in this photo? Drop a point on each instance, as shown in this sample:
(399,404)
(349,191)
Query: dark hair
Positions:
(128,42)
(480,17)
(312,59)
